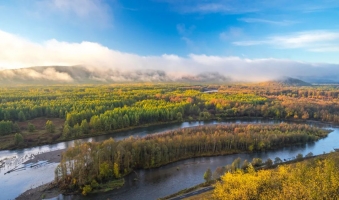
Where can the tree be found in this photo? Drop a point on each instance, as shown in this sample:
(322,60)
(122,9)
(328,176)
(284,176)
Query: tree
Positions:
(236,164)
(245,165)
(76,130)
(105,171)
(94,184)
(21,116)
(256,162)
(66,131)
(218,172)
(277,160)
(6,127)
(269,162)
(50,126)
(87,189)
(299,156)
(18,139)
(208,175)
(84,126)
(31,127)
(309,155)
(16,127)
(205,115)
(179,117)
(116,170)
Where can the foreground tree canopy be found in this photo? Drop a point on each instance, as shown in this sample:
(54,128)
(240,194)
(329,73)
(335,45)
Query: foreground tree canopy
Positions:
(311,179)
(111,159)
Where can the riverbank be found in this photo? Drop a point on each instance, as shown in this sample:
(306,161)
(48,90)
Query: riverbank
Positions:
(198,191)
(46,191)
(7,141)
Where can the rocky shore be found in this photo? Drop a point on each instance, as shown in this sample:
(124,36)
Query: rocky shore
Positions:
(51,157)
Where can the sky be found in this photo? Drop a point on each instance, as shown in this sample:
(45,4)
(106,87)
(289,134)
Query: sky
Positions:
(181,36)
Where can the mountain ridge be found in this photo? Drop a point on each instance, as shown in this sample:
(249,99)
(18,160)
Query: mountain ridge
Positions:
(285,81)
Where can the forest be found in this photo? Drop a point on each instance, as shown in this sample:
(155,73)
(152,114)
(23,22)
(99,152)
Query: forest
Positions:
(35,115)
(315,178)
(97,109)
(85,165)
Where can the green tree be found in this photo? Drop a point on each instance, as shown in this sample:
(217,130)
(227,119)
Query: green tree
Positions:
(299,156)
(18,139)
(205,115)
(16,127)
(21,116)
(94,184)
(31,127)
(76,130)
(50,126)
(277,160)
(208,175)
(84,126)
(179,117)
(309,155)
(67,131)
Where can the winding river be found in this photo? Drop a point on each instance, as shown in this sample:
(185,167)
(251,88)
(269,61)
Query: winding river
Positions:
(153,183)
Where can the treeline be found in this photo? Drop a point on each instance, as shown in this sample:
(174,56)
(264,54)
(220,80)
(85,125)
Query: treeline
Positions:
(111,159)
(311,179)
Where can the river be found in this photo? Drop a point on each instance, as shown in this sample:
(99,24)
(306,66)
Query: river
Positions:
(153,183)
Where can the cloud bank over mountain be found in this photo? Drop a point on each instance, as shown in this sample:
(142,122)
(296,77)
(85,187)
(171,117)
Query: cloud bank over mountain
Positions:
(103,64)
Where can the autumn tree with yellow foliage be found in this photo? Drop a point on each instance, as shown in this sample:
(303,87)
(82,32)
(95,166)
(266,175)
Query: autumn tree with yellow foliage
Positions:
(312,179)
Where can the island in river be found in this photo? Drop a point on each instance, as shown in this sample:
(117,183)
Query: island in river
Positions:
(88,167)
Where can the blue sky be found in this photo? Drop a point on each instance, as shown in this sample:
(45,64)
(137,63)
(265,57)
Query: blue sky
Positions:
(301,31)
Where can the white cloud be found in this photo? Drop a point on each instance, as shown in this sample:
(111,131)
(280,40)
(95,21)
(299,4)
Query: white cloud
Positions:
(183,30)
(185,33)
(326,49)
(211,8)
(266,21)
(188,41)
(245,6)
(90,10)
(316,39)
(231,33)
(215,7)
(17,52)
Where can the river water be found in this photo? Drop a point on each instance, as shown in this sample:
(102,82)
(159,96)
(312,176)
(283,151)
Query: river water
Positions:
(153,183)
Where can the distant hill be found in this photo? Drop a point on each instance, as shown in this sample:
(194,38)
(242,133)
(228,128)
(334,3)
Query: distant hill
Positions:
(285,81)
(81,74)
